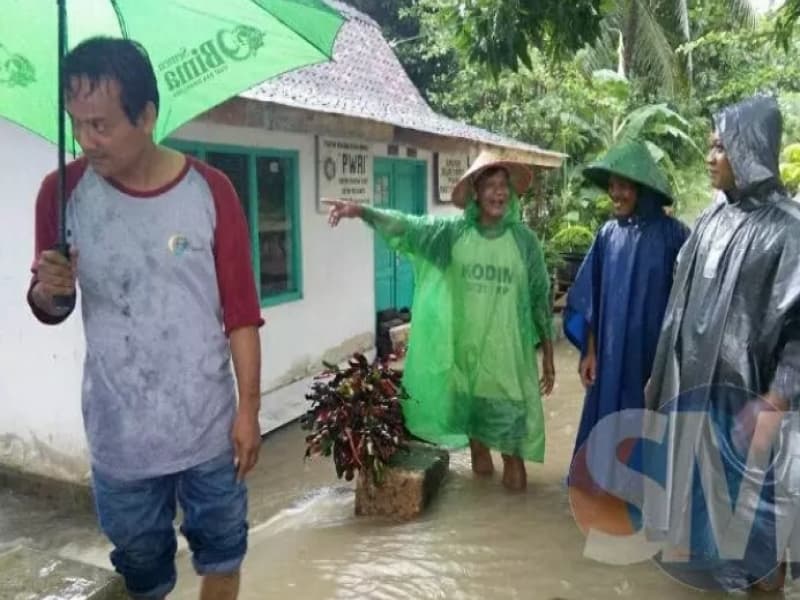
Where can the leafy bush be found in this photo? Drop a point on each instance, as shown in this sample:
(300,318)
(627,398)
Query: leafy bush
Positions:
(790,167)
(573,239)
(356,417)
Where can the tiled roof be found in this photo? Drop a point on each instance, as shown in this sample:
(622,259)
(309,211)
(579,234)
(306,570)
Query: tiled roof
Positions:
(366,80)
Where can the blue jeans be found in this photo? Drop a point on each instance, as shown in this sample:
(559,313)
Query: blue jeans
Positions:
(137,516)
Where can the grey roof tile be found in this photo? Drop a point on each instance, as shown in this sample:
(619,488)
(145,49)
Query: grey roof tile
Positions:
(366,80)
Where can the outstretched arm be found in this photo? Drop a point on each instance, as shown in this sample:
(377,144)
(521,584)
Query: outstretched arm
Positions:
(391,223)
(425,237)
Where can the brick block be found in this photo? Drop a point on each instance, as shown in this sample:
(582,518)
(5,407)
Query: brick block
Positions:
(411,480)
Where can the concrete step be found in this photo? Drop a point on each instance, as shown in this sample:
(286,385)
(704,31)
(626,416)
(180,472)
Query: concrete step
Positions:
(27,574)
(411,480)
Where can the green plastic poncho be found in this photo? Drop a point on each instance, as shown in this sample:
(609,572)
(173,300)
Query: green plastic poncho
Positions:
(481,307)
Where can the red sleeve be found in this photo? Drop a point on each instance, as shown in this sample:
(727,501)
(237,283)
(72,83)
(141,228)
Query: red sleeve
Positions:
(233,259)
(46,225)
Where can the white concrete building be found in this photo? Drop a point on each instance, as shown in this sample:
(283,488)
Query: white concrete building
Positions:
(283,144)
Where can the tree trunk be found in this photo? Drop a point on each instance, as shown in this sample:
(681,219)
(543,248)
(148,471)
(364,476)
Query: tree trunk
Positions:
(629,31)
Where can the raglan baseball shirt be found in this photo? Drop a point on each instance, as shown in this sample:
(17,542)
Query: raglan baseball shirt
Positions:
(164,277)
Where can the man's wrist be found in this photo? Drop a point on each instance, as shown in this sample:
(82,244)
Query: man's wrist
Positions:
(249,404)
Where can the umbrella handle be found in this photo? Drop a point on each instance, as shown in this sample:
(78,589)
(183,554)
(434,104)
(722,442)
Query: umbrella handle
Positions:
(64,303)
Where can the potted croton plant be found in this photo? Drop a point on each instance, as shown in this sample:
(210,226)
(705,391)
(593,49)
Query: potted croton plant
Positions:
(356,417)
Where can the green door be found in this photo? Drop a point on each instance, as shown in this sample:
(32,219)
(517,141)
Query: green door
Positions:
(400,185)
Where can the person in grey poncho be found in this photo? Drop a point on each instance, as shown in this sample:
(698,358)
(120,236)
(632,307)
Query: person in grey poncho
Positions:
(727,370)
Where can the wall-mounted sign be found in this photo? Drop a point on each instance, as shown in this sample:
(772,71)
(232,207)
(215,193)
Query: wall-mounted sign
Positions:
(344,169)
(449,169)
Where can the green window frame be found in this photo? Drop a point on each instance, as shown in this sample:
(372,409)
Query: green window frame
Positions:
(251,205)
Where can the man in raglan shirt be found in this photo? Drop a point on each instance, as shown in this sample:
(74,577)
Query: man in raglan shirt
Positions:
(159,245)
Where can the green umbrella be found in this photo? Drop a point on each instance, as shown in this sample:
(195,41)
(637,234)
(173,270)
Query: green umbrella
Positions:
(203,51)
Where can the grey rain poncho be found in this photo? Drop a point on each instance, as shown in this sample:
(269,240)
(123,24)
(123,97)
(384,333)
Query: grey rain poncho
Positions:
(731,334)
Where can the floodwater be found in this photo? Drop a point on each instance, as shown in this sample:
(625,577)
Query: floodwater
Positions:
(476,541)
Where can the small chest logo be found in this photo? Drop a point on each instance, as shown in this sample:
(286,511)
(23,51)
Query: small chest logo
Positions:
(178,244)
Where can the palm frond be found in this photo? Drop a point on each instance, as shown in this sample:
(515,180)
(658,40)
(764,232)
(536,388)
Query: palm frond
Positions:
(682,12)
(652,50)
(603,53)
(744,12)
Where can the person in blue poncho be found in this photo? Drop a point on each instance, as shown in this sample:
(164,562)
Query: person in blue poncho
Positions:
(615,308)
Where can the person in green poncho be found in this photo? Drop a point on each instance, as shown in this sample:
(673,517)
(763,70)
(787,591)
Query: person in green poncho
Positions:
(481,309)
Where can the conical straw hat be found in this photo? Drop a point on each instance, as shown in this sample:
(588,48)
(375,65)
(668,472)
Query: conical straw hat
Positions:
(519,172)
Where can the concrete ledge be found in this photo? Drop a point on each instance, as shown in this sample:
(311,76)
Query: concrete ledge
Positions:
(66,494)
(27,574)
(411,480)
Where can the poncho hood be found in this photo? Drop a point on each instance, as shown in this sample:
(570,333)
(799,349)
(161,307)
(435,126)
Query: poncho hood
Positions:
(751,132)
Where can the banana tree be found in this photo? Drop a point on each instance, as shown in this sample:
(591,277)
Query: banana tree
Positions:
(612,122)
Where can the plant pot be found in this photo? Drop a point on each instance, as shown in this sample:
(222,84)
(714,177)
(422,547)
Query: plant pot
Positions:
(568,271)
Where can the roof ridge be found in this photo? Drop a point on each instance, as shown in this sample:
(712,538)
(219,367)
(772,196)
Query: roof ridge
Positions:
(351,13)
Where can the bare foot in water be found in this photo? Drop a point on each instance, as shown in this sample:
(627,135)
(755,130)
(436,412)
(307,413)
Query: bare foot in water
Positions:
(481,459)
(515,478)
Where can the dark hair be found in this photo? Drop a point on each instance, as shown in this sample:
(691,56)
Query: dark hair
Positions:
(488,172)
(115,59)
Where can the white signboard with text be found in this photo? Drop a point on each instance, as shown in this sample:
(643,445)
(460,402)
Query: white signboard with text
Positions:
(344,169)
(450,169)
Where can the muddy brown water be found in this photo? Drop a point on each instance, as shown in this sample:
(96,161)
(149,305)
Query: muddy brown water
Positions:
(475,542)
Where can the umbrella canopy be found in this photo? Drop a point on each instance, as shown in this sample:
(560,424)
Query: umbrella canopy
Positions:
(203,51)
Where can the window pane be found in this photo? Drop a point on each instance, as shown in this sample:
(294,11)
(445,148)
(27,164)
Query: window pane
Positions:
(275,226)
(235,166)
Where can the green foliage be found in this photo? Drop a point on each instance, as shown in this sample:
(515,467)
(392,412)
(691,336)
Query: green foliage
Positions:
(730,65)
(693,191)
(786,20)
(581,76)
(790,167)
(499,33)
(402,29)
(573,239)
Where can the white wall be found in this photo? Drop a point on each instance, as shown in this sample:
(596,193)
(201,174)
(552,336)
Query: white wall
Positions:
(41,428)
(335,315)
